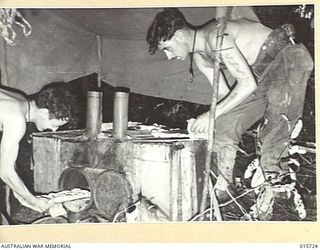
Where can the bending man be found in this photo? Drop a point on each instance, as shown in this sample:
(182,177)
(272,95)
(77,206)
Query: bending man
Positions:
(270,72)
(48,109)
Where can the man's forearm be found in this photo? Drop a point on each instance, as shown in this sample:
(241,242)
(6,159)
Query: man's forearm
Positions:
(236,97)
(12,179)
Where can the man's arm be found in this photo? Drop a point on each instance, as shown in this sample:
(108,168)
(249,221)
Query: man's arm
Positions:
(206,67)
(13,131)
(239,69)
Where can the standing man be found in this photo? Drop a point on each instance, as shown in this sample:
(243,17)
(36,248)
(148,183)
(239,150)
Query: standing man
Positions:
(49,109)
(271,75)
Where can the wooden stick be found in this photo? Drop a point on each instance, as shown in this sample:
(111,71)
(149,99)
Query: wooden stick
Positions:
(4,64)
(99,51)
(212,113)
(8,205)
(217,211)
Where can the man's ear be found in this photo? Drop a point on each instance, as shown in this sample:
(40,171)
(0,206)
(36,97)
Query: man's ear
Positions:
(179,34)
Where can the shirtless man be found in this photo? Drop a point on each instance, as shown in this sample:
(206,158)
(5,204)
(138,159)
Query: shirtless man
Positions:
(270,73)
(48,109)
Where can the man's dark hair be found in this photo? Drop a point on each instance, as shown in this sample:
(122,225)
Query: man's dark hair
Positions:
(164,26)
(60,102)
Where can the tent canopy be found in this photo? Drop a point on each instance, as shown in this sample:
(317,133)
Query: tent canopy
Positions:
(63,46)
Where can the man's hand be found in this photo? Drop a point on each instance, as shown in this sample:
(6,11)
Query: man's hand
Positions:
(200,125)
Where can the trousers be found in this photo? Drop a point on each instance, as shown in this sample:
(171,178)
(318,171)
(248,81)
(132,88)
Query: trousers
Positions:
(282,71)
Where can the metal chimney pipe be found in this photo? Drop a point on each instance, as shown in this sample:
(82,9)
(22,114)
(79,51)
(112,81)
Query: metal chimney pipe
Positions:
(120,113)
(94,113)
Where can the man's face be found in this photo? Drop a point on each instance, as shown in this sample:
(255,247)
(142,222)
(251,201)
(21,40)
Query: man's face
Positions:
(174,48)
(44,122)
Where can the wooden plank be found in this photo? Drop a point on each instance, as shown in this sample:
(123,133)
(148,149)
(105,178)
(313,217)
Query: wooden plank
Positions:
(47,165)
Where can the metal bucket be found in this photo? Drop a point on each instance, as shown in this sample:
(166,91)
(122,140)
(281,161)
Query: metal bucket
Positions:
(110,191)
(112,194)
(83,178)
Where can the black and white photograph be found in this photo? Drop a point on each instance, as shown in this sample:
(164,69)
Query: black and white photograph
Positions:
(158,115)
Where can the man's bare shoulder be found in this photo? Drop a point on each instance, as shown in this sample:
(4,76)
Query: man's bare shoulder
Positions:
(11,94)
(12,111)
(12,124)
(11,104)
(244,27)
(212,27)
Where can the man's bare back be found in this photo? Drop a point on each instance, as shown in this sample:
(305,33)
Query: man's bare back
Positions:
(244,34)
(249,37)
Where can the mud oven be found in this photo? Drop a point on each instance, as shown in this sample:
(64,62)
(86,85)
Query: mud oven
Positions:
(168,172)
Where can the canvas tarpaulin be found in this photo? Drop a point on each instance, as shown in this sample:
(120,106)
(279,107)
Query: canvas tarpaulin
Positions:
(63,47)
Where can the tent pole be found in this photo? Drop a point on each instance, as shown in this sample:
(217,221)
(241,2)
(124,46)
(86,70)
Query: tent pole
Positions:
(99,51)
(211,127)
(4,64)
(94,101)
